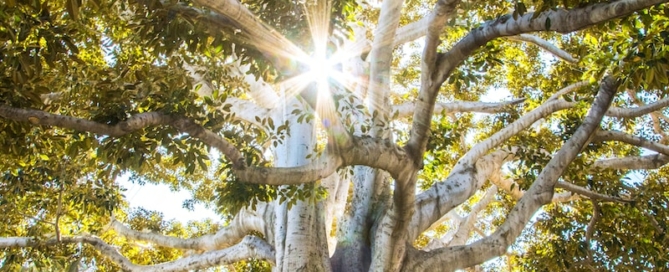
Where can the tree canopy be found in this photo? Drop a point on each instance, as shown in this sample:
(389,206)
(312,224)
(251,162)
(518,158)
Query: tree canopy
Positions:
(336,135)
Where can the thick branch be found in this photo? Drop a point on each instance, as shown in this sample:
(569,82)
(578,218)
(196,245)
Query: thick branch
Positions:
(428,88)
(407,108)
(561,20)
(643,162)
(460,185)
(464,225)
(132,124)
(249,247)
(264,38)
(539,194)
(381,56)
(464,179)
(319,168)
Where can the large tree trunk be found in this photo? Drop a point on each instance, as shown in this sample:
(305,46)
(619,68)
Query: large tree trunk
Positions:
(300,237)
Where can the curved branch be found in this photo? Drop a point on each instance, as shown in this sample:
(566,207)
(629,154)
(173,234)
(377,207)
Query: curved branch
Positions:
(243,223)
(461,234)
(643,162)
(561,20)
(428,87)
(407,108)
(460,185)
(546,45)
(631,139)
(589,194)
(377,153)
(638,111)
(540,193)
(249,247)
(263,37)
(132,124)
(322,167)
(466,177)
(568,89)
(362,151)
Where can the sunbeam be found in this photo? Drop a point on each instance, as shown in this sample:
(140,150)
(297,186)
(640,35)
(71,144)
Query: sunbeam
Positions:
(322,68)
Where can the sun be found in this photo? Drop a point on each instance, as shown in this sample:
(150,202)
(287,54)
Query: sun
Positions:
(321,70)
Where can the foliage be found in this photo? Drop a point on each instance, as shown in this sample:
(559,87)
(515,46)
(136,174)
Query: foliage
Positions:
(107,61)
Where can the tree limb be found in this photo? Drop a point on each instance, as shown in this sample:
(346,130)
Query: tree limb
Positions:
(638,111)
(540,193)
(243,223)
(263,37)
(381,56)
(461,234)
(406,109)
(428,88)
(249,247)
(588,193)
(568,89)
(561,20)
(460,185)
(546,45)
(654,161)
(443,196)
(631,139)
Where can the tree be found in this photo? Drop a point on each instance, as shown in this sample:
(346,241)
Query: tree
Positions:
(336,135)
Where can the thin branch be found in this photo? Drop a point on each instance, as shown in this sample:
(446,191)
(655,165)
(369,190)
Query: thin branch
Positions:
(590,229)
(590,194)
(513,189)
(631,139)
(546,45)
(569,89)
(509,131)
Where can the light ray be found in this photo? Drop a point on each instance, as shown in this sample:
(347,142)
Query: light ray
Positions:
(322,67)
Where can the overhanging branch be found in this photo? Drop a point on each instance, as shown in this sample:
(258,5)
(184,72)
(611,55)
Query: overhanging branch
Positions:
(539,194)
(249,247)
